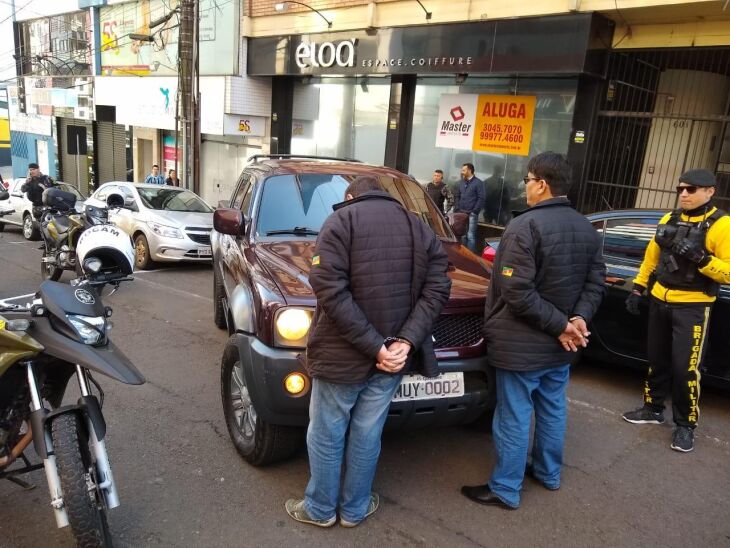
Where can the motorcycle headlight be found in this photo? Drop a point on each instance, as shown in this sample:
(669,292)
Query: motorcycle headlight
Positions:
(291,326)
(90,329)
(163,230)
(92,265)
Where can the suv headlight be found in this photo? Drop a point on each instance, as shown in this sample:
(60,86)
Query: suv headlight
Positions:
(291,326)
(164,230)
(90,329)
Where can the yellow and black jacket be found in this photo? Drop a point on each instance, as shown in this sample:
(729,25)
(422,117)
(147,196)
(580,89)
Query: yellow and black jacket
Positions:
(717,244)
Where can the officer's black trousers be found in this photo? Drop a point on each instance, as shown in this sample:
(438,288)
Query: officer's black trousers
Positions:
(676,345)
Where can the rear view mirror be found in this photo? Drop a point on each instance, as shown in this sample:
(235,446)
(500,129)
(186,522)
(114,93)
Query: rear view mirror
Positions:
(229,221)
(460,224)
(4,195)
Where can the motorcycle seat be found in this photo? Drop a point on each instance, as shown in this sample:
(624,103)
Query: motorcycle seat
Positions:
(62,223)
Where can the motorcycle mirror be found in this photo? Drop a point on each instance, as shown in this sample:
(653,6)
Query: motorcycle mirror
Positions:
(4,195)
(115,201)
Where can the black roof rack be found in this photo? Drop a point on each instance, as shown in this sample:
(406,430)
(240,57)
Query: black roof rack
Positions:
(256,157)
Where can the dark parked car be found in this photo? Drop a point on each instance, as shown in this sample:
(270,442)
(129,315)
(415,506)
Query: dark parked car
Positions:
(618,336)
(263,245)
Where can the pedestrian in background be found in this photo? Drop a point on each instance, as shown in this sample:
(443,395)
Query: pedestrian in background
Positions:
(493,188)
(684,264)
(155,178)
(379,275)
(469,198)
(548,281)
(34,186)
(172,178)
(440,192)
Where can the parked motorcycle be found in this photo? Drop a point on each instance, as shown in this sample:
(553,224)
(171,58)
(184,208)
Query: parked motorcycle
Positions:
(61,227)
(62,333)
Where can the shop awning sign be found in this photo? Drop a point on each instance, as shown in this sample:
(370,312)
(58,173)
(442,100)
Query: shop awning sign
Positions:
(486,123)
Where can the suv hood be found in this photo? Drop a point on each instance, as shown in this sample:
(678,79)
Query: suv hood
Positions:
(180,219)
(288,263)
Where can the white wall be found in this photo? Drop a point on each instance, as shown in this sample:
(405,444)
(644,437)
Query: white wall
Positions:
(25,10)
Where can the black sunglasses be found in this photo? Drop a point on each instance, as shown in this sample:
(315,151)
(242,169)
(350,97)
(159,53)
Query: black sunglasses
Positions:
(690,189)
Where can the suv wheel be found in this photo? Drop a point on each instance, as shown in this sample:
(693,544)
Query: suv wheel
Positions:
(30,228)
(219,311)
(258,441)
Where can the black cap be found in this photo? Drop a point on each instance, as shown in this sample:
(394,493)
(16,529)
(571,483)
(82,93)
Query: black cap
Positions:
(32,165)
(698,177)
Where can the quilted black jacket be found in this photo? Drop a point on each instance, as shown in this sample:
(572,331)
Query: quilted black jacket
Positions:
(372,282)
(548,268)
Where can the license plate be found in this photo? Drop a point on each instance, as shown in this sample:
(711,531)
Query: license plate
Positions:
(417,387)
(205,252)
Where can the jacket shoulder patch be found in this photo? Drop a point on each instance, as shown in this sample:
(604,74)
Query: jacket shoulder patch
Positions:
(315,260)
(507,271)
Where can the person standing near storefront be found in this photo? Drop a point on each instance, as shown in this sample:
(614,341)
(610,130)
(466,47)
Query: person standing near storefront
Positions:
(155,178)
(469,198)
(172,179)
(34,186)
(439,192)
(548,281)
(493,188)
(684,265)
(379,275)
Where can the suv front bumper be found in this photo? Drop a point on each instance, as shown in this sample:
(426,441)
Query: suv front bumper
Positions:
(266,368)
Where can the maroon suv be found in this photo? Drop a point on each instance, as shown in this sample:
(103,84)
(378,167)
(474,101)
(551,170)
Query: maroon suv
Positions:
(263,244)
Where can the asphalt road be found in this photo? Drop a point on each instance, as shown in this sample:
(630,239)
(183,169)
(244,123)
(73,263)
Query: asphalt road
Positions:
(182,483)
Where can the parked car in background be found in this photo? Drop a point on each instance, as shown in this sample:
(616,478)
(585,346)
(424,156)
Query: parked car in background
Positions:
(616,335)
(263,247)
(166,223)
(23,217)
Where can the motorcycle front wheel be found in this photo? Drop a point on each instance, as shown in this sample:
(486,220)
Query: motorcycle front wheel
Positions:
(82,498)
(50,271)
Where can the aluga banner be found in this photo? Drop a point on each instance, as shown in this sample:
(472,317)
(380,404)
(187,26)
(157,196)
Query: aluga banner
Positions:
(486,123)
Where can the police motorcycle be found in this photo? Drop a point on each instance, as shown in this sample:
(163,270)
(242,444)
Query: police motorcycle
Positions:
(63,333)
(61,227)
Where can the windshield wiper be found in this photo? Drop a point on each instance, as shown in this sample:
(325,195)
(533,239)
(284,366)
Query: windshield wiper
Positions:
(297,231)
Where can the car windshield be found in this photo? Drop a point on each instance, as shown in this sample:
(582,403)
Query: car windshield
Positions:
(297,205)
(172,199)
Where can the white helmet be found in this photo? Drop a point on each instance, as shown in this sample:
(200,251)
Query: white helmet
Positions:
(111,246)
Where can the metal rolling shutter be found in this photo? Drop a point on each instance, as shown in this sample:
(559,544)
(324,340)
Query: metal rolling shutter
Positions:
(112,152)
(74,167)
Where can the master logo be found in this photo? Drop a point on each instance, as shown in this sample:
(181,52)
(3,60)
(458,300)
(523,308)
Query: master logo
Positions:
(457,113)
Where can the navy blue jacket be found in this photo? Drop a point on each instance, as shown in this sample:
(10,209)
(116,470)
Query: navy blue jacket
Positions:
(469,196)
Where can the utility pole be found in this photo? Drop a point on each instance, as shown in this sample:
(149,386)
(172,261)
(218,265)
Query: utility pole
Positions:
(188,91)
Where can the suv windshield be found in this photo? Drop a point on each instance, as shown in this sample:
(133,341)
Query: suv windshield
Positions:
(171,199)
(298,204)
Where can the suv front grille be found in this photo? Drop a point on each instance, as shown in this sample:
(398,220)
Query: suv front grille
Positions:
(458,330)
(200,238)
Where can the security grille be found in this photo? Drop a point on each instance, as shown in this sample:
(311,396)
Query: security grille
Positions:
(662,112)
(111,152)
(458,330)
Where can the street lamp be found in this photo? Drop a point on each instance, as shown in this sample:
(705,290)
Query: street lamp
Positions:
(283,6)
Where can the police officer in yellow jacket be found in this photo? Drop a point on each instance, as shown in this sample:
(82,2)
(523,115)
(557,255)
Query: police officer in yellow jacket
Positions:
(684,265)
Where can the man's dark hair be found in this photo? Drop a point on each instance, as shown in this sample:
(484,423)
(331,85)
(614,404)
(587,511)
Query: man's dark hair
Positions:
(155,165)
(470,166)
(363,184)
(438,171)
(554,168)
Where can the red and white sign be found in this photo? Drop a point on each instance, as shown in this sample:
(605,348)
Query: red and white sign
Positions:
(455,127)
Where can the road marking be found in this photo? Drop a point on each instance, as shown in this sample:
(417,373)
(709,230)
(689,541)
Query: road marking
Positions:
(174,290)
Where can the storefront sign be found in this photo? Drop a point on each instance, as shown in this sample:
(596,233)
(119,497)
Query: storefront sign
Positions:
(146,102)
(248,126)
(486,123)
(547,45)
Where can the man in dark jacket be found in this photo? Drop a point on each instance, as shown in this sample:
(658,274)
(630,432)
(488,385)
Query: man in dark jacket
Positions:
(548,282)
(379,274)
(34,186)
(440,192)
(469,198)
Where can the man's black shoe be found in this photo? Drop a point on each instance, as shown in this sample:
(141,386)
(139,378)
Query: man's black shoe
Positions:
(683,439)
(482,494)
(530,473)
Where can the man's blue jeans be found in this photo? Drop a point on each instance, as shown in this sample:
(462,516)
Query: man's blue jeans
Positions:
(334,407)
(471,235)
(518,394)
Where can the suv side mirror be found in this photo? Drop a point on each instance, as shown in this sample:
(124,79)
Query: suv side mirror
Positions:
(460,224)
(229,221)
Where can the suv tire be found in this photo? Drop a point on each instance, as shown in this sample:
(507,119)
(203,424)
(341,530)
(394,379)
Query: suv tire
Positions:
(219,310)
(258,441)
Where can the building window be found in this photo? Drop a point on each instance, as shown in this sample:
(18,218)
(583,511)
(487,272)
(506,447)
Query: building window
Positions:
(502,173)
